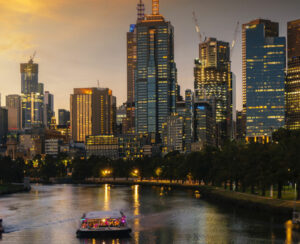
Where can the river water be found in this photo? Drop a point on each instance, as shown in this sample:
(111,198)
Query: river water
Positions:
(50,214)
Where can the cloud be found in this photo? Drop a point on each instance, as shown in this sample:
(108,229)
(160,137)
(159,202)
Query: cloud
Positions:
(17,42)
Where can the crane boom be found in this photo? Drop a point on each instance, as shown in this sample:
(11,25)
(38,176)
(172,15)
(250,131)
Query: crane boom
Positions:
(197,26)
(235,36)
(33,56)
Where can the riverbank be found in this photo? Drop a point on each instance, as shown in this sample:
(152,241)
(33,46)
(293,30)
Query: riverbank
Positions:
(255,203)
(11,188)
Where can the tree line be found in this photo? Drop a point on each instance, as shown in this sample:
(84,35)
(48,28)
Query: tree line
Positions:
(246,167)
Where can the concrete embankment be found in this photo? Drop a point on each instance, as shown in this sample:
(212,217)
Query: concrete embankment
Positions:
(235,199)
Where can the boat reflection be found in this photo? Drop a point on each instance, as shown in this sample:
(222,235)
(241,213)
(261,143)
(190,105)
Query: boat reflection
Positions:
(105,241)
(136,212)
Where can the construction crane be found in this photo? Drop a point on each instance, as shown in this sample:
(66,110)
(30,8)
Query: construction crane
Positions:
(33,56)
(235,36)
(197,26)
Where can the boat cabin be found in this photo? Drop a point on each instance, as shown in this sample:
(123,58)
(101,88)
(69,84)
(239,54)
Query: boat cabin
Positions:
(96,220)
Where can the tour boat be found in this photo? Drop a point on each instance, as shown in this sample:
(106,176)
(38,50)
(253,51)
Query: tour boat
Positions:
(103,223)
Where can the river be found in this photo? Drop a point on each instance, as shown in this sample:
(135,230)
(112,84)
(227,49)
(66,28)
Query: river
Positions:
(50,214)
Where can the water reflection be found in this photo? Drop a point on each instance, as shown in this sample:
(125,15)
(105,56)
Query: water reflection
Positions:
(50,214)
(106,206)
(136,212)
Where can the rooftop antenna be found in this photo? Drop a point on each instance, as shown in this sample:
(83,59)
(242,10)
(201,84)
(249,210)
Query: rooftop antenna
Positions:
(141,10)
(155,7)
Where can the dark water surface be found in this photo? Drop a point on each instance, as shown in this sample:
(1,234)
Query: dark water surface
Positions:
(50,214)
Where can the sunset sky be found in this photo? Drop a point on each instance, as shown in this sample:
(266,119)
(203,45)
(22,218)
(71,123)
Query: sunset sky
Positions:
(81,41)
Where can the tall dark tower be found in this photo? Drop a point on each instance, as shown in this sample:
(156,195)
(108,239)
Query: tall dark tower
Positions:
(292,87)
(155,84)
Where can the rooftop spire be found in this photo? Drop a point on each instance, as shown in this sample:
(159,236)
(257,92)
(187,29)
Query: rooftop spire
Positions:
(155,7)
(141,10)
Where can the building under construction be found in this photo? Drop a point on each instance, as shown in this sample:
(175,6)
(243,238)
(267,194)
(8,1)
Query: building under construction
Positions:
(213,81)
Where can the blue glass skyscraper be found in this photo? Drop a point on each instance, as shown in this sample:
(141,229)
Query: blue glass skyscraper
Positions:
(264,62)
(155,83)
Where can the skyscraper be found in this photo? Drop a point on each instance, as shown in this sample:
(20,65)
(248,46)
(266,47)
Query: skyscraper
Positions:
(213,80)
(48,108)
(32,96)
(263,78)
(63,117)
(3,125)
(293,76)
(92,112)
(188,120)
(155,83)
(13,105)
(172,135)
(129,122)
(204,122)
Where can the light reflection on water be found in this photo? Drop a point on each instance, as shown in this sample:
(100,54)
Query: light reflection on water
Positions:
(50,214)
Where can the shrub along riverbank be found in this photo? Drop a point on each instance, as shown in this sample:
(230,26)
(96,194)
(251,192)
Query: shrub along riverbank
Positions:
(252,202)
(10,189)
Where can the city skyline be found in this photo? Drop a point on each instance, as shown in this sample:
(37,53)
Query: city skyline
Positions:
(63,67)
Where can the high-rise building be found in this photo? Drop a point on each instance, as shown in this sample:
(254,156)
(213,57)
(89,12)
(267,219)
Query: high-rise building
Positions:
(32,96)
(48,108)
(63,117)
(204,122)
(155,83)
(188,120)
(131,66)
(129,122)
(92,113)
(3,125)
(293,76)
(240,126)
(29,77)
(172,135)
(213,80)
(13,105)
(263,78)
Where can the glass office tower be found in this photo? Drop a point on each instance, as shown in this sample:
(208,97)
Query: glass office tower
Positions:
(293,76)
(263,78)
(155,83)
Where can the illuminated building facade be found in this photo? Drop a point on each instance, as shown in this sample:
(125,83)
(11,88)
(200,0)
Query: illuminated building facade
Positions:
(92,113)
(155,83)
(293,76)
(263,78)
(102,146)
(213,79)
(173,133)
(32,96)
(13,105)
